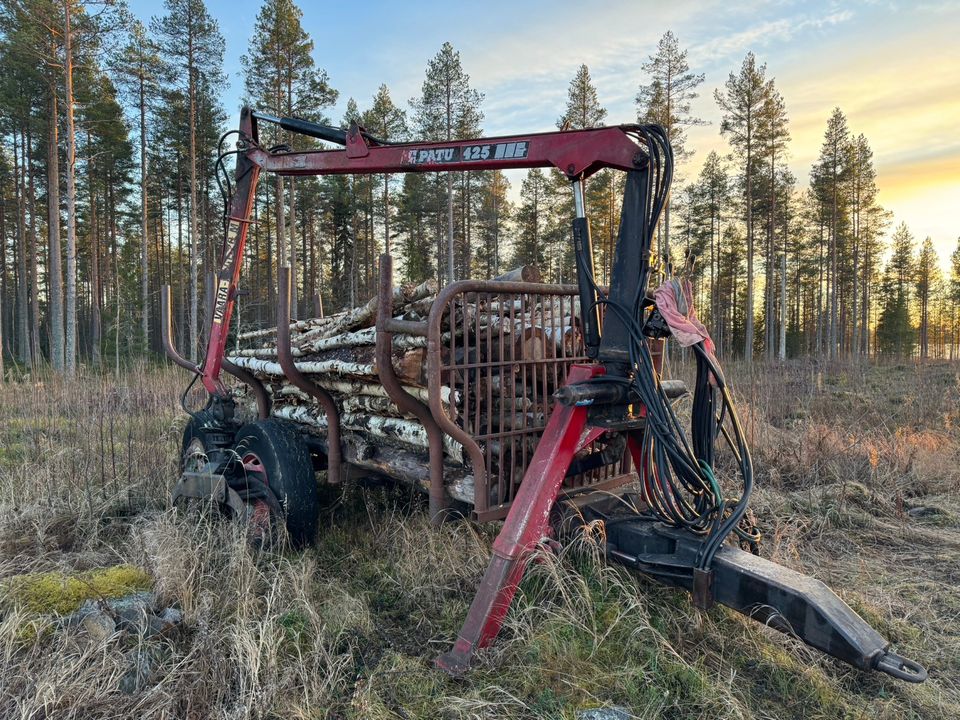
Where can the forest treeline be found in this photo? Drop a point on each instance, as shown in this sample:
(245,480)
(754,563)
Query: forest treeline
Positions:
(110,129)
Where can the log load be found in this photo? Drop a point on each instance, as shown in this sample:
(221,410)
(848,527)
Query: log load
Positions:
(500,357)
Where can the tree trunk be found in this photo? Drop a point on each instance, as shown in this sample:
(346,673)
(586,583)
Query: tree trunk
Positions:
(194,230)
(54,270)
(23,320)
(281,225)
(748,320)
(95,294)
(144,253)
(293,249)
(783,304)
(71,319)
(34,286)
(3,281)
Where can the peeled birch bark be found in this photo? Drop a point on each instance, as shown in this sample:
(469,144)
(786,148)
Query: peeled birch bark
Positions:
(405,432)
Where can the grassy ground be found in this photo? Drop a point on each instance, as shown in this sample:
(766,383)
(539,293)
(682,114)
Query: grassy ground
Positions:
(858,473)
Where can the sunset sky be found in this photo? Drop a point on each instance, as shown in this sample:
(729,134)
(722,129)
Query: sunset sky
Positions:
(892,67)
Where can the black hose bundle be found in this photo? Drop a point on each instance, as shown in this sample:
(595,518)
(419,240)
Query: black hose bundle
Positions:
(678,476)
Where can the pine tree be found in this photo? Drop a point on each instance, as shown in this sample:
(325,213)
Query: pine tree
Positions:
(829,179)
(138,70)
(742,103)
(927,279)
(448,108)
(711,198)
(280,77)
(868,221)
(954,294)
(666,99)
(71,294)
(772,136)
(192,47)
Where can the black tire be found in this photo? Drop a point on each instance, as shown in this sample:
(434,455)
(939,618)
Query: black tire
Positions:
(278,454)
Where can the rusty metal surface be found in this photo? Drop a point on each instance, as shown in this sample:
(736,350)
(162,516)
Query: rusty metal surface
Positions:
(504,348)
(286,361)
(404,400)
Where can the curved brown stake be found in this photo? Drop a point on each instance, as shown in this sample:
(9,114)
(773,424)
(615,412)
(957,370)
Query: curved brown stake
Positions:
(301,381)
(439,501)
(259,391)
(166,332)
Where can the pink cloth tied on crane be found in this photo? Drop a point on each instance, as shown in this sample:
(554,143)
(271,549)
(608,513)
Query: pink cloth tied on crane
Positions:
(674,299)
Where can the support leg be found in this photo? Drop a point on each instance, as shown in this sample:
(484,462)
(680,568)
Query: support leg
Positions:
(525,526)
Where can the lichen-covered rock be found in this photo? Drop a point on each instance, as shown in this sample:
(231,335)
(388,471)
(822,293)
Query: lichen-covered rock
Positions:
(56,593)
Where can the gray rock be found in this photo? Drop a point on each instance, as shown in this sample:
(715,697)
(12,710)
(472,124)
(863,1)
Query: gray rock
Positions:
(131,605)
(142,668)
(172,616)
(99,625)
(924,511)
(610,713)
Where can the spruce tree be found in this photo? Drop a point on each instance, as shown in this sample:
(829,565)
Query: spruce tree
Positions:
(895,332)
(531,219)
(583,106)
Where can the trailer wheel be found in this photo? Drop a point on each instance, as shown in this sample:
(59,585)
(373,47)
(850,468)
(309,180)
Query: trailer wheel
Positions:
(274,453)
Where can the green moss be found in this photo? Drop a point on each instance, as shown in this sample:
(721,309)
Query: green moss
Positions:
(57,593)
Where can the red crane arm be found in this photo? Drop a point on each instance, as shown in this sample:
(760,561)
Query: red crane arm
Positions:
(576,153)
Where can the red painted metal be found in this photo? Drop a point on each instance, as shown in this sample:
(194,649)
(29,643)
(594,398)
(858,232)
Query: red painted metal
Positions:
(575,153)
(526,525)
(231,259)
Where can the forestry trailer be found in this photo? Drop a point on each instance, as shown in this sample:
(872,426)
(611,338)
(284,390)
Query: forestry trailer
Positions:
(535,403)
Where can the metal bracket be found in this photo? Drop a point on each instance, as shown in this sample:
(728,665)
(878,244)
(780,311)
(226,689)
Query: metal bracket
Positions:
(204,485)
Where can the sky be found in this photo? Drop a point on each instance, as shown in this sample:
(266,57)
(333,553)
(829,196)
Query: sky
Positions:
(892,67)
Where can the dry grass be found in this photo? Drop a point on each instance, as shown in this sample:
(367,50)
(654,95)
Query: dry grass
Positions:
(858,474)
